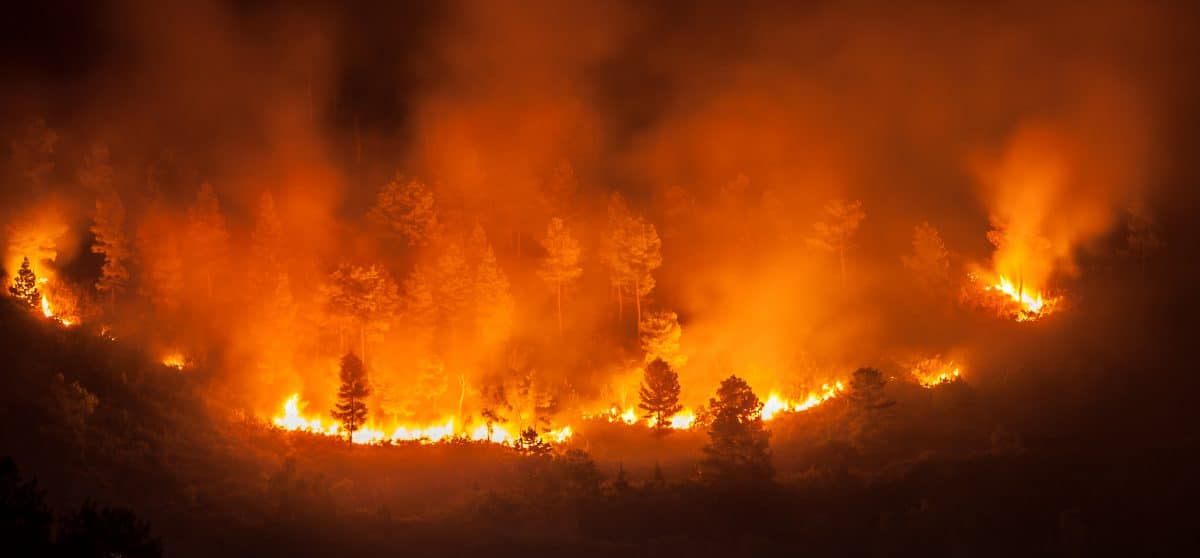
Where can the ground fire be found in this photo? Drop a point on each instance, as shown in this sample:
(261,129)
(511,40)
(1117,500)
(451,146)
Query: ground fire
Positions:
(597,278)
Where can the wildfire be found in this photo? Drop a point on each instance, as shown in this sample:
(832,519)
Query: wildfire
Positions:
(683,420)
(446,430)
(1031,306)
(174,360)
(933,372)
(776,404)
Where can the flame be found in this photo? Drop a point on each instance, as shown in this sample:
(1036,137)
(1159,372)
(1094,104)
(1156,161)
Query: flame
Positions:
(293,420)
(46,311)
(777,404)
(933,372)
(174,360)
(1031,304)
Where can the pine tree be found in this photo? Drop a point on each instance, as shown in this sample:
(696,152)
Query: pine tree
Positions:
(632,251)
(408,208)
(660,335)
(836,232)
(364,296)
(24,286)
(419,310)
(868,407)
(561,266)
(208,237)
(112,243)
(738,449)
(493,302)
(266,242)
(529,443)
(929,258)
(659,395)
(351,408)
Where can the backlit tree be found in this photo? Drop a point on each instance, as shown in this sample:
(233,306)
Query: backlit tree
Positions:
(632,251)
(365,297)
(24,286)
(207,237)
(408,209)
(561,266)
(112,243)
(929,258)
(868,407)
(351,407)
(659,395)
(836,232)
(738,450)
(660,335)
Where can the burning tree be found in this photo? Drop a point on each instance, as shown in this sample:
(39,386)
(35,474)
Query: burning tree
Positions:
(738,448)
(24,286)
(659,395)
(836,232)
(351,408)
(561,266)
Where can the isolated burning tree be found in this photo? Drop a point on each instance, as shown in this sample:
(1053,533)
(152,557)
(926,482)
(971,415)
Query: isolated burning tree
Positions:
(561,267)
(24,286)
(868,407)
(407,208)
(351,408)
(836,232)
(111,242)
(659,395)
(738,449)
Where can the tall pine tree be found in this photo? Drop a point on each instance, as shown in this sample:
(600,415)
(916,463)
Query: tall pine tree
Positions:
(561,267)
(738,450)
(660,395)
(24,286)
(351,408)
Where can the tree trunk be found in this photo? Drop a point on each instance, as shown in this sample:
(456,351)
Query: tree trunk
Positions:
(462,394)
(559,297)
(637,301)
(362,337)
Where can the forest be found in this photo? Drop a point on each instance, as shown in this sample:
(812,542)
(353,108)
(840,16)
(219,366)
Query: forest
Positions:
(596,278)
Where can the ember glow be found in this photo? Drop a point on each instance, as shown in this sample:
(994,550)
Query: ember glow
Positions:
(777,404)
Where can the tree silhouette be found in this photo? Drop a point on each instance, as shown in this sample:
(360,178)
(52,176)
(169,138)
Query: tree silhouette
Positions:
(493,303)
(407,208)
(659,395)
(929,258)
(24,286)
(738,450)
(561,267)
(207,236)
(836,232)
(868,407)
(25,520)
(529,443)
(351,408)
(111,242)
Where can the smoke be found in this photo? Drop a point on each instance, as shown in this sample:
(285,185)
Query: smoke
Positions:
(728,130)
